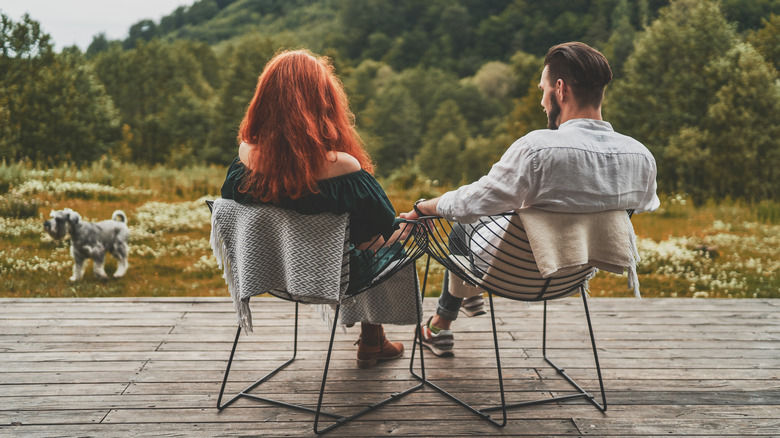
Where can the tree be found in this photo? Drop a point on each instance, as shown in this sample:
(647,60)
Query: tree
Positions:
(99,44)
(621,41)
(394,118)
(242,64)
(528,114)
(443,144)
(67,113)
(767,39)
(748,14)
(664,86)
(163,95)
(24,50)
(734,151)
(526,67)
(53,106)
(143,30)
(495,80)
(480,154)
(700,99)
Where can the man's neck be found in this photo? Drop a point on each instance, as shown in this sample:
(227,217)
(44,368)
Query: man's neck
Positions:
(572,113)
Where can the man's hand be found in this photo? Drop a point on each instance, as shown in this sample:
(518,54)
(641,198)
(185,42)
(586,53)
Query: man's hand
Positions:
(412,216)
(422,208)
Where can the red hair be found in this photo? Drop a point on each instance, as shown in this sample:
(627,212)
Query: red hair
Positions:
(298,114)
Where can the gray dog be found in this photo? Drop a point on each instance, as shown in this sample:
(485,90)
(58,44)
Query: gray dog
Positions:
(91,240)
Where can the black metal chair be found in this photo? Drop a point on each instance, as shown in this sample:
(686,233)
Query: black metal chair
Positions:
(405,252)
(494,255)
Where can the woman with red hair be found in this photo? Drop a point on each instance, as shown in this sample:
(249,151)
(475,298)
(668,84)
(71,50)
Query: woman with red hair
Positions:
(299,150)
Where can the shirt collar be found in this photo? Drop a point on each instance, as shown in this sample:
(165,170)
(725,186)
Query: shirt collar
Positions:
(593,124)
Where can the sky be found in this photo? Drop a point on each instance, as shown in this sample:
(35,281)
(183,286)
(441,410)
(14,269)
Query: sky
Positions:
(77,21)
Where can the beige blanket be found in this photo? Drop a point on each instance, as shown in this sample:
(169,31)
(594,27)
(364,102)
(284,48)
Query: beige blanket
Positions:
(565,242)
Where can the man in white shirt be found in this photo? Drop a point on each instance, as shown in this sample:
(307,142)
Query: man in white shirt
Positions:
(578,165)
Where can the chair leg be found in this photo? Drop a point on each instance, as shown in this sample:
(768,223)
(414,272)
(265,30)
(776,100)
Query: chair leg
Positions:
(603,406)
(340,421)
(424,381)
(220,406)
(417,333)
(581,392)
(245,392)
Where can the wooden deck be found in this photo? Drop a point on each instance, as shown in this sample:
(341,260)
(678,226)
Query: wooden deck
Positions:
(153,366)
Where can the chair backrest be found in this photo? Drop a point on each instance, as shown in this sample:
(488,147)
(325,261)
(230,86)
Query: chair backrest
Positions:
(495,254)
(268,249)
(307,250)
(513,272)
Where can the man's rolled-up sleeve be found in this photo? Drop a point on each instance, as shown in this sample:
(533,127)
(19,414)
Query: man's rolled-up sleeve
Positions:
(504,188)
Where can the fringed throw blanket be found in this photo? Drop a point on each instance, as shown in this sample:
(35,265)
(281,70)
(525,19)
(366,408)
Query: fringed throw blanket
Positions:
(562,242)
(266,249)
(390,302)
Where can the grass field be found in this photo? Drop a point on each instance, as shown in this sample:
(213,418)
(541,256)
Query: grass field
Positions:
(718,250)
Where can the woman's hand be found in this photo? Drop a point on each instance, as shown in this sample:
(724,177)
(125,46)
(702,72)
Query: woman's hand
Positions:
(399,235)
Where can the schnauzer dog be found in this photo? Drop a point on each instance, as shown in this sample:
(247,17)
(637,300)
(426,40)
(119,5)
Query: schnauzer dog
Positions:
(91,240)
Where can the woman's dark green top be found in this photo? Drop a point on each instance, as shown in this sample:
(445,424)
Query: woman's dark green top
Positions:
(356,193)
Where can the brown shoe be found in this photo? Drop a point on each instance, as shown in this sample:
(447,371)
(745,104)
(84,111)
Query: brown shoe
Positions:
(373,347)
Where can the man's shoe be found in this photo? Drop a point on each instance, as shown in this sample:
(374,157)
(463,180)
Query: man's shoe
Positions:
(473,306)
(440,343)
(372,351)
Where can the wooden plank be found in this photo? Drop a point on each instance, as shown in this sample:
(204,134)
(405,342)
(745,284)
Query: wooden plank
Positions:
(154,366)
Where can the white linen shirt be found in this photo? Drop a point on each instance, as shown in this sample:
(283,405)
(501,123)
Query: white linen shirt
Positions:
(584,166)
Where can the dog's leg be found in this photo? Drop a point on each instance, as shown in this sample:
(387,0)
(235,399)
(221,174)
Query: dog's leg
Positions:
(78,266)
(120,253)
(100,266)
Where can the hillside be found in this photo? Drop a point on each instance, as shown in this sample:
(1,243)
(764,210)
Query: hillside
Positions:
(439,88)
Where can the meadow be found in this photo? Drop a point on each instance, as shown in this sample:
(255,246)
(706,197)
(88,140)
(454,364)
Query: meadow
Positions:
(726,249)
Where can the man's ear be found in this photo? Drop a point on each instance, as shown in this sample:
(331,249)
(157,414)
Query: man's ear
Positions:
(562,91)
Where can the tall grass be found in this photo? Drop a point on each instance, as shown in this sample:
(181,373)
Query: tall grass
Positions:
(721,249)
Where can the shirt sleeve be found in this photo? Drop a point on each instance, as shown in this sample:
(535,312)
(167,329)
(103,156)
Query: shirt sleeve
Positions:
(504,188)
(650,201)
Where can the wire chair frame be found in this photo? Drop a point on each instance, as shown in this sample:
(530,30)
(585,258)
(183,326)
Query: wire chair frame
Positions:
(409,248)
(495,255)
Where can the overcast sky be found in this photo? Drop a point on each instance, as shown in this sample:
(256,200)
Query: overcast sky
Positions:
(77,21)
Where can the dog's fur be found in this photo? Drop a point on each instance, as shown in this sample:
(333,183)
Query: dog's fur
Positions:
(92,240)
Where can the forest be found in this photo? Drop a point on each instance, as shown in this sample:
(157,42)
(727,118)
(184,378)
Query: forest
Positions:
(439,88)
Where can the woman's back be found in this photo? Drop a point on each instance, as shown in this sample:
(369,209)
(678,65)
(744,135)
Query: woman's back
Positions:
(338,163)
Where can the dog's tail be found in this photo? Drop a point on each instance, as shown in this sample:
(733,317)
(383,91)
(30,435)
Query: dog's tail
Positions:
(120,216)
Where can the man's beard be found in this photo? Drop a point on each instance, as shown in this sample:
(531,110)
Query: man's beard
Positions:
(552,115)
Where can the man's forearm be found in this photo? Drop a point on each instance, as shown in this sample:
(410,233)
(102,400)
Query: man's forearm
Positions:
(427,207)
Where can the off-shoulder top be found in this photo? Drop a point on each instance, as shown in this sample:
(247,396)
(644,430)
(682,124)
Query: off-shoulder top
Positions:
(356,193)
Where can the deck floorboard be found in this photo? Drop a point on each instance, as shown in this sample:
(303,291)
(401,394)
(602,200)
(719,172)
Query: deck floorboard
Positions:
(153,367)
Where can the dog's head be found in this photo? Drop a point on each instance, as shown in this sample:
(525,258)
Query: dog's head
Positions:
(61,223)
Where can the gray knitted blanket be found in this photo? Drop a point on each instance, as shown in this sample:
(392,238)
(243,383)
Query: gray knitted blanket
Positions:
(266,249)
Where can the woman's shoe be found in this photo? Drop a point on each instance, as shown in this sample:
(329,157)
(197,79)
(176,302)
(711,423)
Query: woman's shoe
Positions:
(373,347)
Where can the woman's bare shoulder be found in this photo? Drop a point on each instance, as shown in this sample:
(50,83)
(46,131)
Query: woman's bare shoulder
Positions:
(340,163)
(244,151)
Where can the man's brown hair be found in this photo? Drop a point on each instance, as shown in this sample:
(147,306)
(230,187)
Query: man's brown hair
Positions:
(582,68)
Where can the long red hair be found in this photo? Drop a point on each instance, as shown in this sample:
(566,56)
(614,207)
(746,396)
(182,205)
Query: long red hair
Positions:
(298,114)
